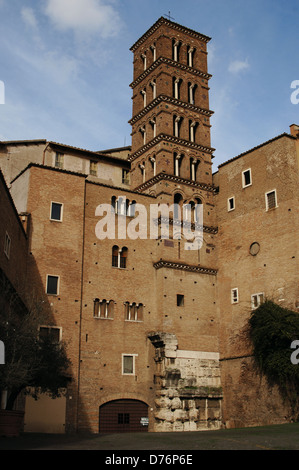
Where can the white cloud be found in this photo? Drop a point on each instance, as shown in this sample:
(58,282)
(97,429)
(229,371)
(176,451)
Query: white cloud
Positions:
(238,66)
(29,17)
(84,16)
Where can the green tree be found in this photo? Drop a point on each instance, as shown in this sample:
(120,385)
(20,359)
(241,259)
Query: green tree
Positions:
(31,360)
(272,329)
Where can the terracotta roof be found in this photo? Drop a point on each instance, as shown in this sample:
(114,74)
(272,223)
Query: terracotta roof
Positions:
(285,134)
(173,25)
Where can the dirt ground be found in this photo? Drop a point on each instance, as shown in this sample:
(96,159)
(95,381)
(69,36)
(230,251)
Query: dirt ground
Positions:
(278,437)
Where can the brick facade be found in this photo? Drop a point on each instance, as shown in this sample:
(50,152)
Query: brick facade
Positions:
(144,318)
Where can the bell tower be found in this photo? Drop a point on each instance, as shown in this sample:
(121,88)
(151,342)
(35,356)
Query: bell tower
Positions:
(171,116)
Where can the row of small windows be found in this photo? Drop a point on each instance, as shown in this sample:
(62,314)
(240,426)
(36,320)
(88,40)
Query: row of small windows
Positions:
(177,122)
(270,196)
(270,201)
(176,91)
(256,299)
(104,309)
(177,165)
(176,54)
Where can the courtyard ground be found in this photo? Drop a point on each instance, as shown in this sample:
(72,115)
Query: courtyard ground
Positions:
(277,437)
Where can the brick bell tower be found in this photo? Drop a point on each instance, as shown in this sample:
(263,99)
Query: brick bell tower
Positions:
(171,116)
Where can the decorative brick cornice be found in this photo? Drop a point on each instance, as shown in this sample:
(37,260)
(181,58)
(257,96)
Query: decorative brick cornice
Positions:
(206,228)
(172,139)
(173,63)
(175,179)
(185,267)
(172,25)
(174,101)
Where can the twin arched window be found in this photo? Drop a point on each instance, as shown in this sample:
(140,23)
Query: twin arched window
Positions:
(119,257)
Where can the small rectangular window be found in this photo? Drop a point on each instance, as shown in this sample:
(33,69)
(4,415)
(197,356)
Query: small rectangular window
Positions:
(180,300)
(52,285)
(231,204)
(246,178)
(125,176)
(271,201)
(128,364)
(257,300)
(59,157)
(234,296)
(53,333)
(7,244)
(56,211)
(93,168)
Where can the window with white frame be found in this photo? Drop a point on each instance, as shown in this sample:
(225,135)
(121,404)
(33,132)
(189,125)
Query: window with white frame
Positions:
(271,200)
(128,364)
(234,295)
(257,300)
(231,203)
(56,211)
(52,285)
(246,178)
(7,244)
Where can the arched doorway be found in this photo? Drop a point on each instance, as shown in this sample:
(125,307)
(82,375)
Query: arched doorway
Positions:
(123,416)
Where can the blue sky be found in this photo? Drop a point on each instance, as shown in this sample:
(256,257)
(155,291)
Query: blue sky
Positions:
(67,67)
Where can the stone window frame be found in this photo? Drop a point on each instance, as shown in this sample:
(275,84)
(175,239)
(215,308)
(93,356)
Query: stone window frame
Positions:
(61,211)
(133,356)
(58,284)
(235,295)
(259,300)
(244,184)
(231,207)
(267,194)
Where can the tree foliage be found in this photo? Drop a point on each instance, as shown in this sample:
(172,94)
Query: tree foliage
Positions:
(30,360)
(272,329)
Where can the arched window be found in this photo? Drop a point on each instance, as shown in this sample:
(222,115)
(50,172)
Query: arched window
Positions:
(154,89)
(194,162)
(103,308)
(190,55)
(176,45)
(154,164)
(192,130)
(191,92)
(119,257)
(177,163)
(133,311)
(115,251)
(113,205)
(178,201)
(176,87)
(177,122)
(123,257)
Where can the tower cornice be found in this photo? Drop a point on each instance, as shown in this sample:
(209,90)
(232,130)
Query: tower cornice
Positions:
(174,140)
(174,179)
(172,25)
(174,101)
(175,64)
